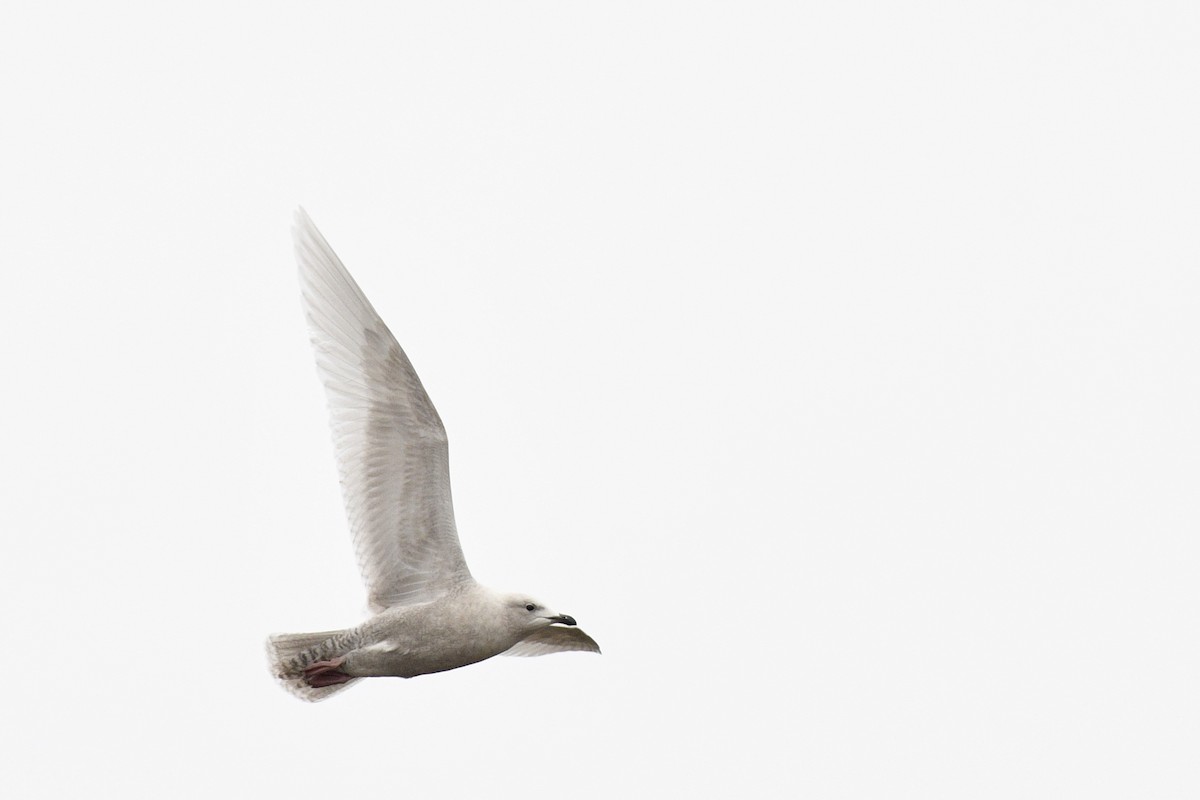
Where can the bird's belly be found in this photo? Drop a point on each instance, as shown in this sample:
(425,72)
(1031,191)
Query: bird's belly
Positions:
(407,660)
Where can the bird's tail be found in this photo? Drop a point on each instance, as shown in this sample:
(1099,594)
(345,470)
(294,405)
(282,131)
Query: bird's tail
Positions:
(290,654)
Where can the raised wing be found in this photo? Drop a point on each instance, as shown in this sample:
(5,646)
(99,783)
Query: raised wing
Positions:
(553,640)
(389,441)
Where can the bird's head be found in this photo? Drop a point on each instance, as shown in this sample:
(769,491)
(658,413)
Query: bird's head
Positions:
(525,613)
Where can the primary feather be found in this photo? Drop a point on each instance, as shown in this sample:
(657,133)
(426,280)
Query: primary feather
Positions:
(390,444)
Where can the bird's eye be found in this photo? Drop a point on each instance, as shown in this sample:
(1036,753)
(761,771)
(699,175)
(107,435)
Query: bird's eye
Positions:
(530,606)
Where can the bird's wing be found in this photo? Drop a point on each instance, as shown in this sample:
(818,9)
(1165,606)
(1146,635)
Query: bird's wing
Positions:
(553,640)
(389,441)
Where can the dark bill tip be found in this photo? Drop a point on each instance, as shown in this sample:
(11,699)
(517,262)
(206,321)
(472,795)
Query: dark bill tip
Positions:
(564,619)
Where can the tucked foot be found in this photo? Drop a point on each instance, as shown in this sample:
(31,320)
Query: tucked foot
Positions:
(326,673)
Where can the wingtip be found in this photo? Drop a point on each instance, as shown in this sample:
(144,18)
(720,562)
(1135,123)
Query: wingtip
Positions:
(308,242)
(302,223)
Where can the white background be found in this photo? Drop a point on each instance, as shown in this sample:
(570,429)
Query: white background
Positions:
(837,365)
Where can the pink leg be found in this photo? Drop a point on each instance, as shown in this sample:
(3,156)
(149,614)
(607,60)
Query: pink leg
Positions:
(326,673)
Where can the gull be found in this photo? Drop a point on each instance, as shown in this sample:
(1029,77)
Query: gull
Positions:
(429,614)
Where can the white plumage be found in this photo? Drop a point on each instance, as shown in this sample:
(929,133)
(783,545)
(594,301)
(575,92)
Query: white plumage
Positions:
(393,459)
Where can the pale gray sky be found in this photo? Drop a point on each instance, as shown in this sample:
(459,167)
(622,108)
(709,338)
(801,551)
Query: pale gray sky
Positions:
(835,365)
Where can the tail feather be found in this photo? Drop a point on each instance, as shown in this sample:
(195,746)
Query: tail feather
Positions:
(290,653)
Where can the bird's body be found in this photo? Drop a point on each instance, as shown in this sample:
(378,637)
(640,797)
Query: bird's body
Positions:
(459,629)
(392,454)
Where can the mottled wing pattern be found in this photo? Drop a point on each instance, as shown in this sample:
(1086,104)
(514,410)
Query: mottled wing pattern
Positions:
(389,441)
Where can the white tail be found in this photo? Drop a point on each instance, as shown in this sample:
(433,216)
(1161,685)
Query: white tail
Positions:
(290,653)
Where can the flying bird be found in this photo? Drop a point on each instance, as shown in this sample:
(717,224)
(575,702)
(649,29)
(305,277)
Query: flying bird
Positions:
(429,614)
